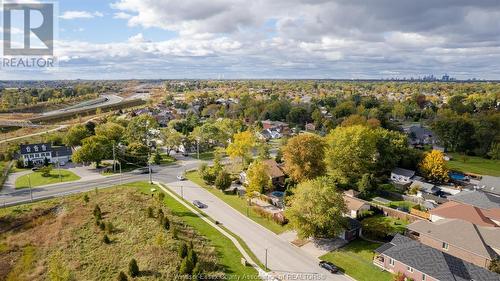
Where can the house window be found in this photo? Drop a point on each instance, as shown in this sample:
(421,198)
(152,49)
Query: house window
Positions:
(445,245)
(391,262)
(409,269)
(28,149)
(423,277)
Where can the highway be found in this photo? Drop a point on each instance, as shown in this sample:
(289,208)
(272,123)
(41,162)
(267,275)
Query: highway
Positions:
(282,257)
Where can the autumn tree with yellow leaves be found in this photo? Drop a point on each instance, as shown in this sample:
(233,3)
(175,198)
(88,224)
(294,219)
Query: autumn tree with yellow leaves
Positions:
(433,166)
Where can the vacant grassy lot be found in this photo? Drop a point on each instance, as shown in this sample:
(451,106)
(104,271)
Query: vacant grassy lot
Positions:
(476,165)
(60,238)
(37,179)
(238,203)
(355,259)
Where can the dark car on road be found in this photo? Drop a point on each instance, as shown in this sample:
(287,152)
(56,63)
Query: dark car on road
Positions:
(329,266)
(199,204)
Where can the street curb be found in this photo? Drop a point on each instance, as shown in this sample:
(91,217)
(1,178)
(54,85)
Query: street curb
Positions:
(262,273)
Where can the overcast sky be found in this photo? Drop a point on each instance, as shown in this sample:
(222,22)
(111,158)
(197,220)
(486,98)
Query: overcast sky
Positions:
(122,39)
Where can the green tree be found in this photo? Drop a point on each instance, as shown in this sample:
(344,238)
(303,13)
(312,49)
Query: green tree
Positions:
(258,178)
(304,157)
(110,130)
(242,146)
(75,135)
(140,129)
(133,268)
(316,209)
(495,265)
(171,139)
(223,180)
(94,149)
(183,250)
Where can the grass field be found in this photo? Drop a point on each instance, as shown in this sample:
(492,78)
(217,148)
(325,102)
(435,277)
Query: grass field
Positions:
(37,179)
(240,204)
(473,164)
(379,227)
(59,238)
(355,259)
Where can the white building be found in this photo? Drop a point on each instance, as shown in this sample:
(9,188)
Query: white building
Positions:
(37,153)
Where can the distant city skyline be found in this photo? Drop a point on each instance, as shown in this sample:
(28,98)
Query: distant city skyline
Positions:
(297,39)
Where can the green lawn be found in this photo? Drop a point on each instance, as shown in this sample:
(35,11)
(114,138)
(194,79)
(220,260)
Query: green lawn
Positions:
(379,227)
(228,254)
(167,160)
(238,203)
(355,259)
(37,179)
(473,164)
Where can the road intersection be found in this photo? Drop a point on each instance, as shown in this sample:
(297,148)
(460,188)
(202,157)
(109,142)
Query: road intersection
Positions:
(282,257)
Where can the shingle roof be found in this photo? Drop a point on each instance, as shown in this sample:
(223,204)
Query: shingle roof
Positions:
(475,239)
(274,170)
(477,198)
(403,172)
(490,184)
(61,151)
(435,263)
(456,210)
(424,186)
(353,204)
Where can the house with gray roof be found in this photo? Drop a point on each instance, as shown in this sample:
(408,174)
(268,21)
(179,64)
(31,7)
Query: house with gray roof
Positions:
(424,188)
(475,244)
(490,184)
(402,176)
(420,262)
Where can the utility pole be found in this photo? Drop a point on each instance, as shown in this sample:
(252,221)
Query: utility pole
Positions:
(198,148)
(31,191)
(149,168)
(114,158)
(182,192)
(266,258)
(58,166)
(121,179)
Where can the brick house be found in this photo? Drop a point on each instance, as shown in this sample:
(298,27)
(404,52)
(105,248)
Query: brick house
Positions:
(475,244)
(420,262)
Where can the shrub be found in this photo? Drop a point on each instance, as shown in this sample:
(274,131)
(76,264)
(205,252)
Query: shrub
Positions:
(183,250)
(197,272)
(86,198)
(105,239)
(166,223)
(122,276)
(150,212)
(223,180)
(175,232)
(110,227)
(161,196)
(186,266)
(97,212)
(102,226)
(160,215)
(192,256)
(45,170)
(133,268)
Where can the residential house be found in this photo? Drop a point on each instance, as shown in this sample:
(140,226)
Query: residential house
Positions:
(37,153)
(355,206)
(419,135)
(475,244)
(274,171)
(477,207)
(420,262)
(402,176)
(281,127)
(490,184)
(352,230)
(424,188)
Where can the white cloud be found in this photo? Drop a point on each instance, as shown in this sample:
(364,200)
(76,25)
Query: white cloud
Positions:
(122,15)
(69,15)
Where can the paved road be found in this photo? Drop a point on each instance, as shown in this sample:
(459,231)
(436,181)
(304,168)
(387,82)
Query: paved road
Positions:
(282,257)
(110,99)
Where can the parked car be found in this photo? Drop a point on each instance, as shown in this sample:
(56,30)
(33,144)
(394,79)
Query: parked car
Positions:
(329,266)
(181,177)
(141,171)
(199,204)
